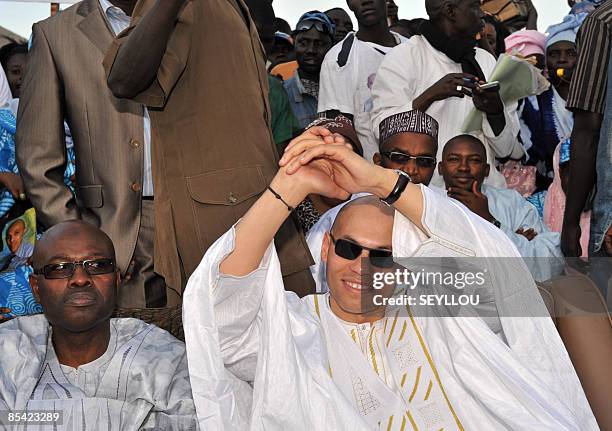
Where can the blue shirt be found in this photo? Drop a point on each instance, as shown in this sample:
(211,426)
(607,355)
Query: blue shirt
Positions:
(303,105)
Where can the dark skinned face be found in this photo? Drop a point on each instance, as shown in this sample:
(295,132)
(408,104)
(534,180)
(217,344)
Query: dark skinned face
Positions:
(369,12)
(561,55)
(491,34)
(463,162)
(466,17)
(15,71)
(310,49)
(343,22)
(81,302)
(412,144)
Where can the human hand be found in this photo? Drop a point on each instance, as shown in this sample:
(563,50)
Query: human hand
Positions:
(474,199)
(350,172)
(448,86)
(487,101)
(323,133)
(570,240)
(4,314)
(13,183)
(530,233)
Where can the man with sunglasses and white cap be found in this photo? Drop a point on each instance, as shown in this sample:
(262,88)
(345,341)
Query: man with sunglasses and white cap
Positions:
(342,361)
(313,37)
(408,142)
(75,368)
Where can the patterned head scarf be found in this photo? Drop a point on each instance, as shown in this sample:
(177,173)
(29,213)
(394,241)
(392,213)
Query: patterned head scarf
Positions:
(565,30)
(408,122)
(343,126)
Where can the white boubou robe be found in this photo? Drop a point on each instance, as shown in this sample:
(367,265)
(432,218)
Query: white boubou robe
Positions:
(542,254)
(309,372)
(140,383)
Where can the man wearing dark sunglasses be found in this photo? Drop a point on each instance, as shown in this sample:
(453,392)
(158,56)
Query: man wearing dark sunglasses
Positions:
(77,361)
(464,168)
(409,142)
(358,364)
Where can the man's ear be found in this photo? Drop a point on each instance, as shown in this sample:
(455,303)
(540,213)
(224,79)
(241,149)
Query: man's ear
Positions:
(377,159)
(448,9)
(487,170)
(33,279)
(440,168)
(325,247)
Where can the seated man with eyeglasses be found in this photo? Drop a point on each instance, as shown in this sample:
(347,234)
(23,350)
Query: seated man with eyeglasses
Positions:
(77,366)
(341,360)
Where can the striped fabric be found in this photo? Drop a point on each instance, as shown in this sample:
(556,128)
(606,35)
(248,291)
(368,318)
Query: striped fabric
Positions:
(588,87)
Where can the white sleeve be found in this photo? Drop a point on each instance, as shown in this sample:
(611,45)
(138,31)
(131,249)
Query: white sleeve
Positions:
(506,144)
(543,254)
(5,91)
(395,87)
(220,312)
(336,90)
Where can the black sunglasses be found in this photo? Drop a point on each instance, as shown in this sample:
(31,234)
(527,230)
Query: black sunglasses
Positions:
(66,269)
(402,159)
(349,250)
(318,25)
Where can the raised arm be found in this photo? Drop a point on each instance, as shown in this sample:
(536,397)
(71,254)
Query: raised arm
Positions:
(139,57)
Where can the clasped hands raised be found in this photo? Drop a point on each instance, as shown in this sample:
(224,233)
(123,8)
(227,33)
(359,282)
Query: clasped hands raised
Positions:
(324,163)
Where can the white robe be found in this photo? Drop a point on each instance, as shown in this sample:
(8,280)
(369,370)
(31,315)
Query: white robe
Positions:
(543,254)
(410,69)
(252,328)
(348,88)
(140,383)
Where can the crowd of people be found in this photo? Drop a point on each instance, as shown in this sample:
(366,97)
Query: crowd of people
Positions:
(197,197)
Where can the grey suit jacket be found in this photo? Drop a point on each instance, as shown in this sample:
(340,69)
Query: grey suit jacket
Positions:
(66,80)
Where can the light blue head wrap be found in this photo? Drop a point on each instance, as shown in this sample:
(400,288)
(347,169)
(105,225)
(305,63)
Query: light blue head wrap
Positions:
(566,30)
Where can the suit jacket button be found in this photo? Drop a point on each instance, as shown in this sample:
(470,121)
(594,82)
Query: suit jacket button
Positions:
(134,143)
(136,187)
(232,199)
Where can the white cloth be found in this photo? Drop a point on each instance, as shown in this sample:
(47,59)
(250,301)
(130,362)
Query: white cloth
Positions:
(349,88)
(5,90)
(543,254)
(141,382)
(119,21)
(410,69)
(252,328)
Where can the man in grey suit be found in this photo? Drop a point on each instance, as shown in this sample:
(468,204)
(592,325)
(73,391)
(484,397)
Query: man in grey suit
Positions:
(114,187)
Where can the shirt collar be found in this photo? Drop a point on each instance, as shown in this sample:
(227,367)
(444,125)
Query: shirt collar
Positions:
(108,7)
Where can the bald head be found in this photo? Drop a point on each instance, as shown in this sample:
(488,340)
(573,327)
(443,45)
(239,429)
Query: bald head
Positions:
(435,8)
(369,207)
(473,143)
(75,233)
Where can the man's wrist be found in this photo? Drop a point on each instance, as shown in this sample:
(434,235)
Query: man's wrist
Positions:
(290,188)
(384,183)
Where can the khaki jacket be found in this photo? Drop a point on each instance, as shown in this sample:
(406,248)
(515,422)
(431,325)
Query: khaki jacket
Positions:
(67,81)
(213,152)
